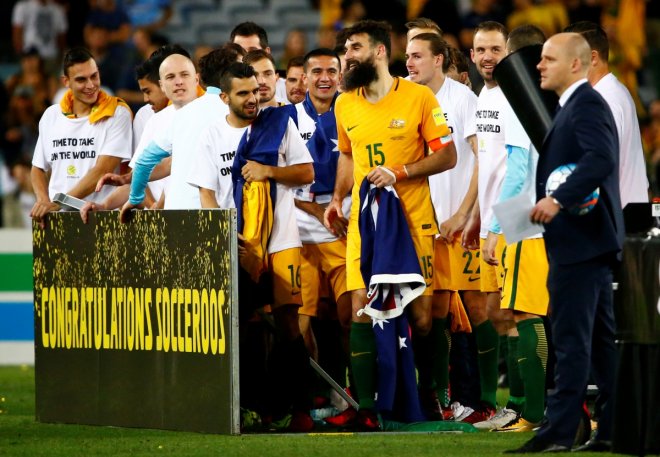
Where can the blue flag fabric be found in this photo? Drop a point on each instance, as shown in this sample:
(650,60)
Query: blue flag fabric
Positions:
(260,143)
(322,147)
(391,271)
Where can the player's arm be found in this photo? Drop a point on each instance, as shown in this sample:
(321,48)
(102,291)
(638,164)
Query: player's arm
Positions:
(443,158)
(470,239)
(459,219)
(290,175)
(162,170)
(207,198)
(339,224)
(43,205)
(343,185)
(87,185)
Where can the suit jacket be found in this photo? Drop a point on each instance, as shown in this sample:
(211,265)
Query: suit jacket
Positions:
(583,132)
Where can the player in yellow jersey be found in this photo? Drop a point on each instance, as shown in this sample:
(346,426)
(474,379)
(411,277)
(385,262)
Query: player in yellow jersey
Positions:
(384,126)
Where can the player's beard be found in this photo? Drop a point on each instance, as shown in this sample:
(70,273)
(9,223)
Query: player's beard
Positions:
(363,74)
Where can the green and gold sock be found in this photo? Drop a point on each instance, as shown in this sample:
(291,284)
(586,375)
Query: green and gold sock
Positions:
(487,358)
(363,362)
(532,360)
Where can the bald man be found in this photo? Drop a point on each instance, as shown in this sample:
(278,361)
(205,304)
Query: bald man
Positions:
(581,258)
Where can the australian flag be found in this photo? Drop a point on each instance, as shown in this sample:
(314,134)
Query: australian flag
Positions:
(391,271)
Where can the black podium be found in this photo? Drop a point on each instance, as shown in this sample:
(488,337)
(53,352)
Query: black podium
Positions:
(636,428)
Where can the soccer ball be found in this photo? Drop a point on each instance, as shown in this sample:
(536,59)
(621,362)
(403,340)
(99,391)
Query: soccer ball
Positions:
(558,177)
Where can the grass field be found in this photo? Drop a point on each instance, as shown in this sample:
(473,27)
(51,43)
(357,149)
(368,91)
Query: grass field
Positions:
(21,435)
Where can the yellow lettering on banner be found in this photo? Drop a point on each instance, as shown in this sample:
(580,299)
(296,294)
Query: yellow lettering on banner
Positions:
(114,342)
(174,314)
(205,319)
(159,337)
(60,336)
(187,321)
(195,322)
(44,312)
(67,317)
(83,340)
(98,320)
(130,318)
(213,333)
(75,330)
(52,311)
(148,339)
(104,315)
(221,322)
(167,320)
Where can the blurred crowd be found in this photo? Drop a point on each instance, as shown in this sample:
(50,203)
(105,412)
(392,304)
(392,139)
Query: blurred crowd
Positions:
(122,33)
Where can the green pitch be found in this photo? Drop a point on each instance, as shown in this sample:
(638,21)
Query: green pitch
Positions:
(21,435)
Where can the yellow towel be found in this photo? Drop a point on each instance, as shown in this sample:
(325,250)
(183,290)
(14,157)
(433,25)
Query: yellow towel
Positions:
(105,106)
(459,318)
(257,226)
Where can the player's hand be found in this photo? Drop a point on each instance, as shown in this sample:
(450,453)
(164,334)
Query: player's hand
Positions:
(90,206)
(40,209)
(332,213)
(470,238)
(254,171)
(126,213)
(112,179)
(453,225)
(545,211)
(241,248)
(381,177)
(488,250)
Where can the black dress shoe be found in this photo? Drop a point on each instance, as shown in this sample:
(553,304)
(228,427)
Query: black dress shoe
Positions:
(594,445)
(536,445)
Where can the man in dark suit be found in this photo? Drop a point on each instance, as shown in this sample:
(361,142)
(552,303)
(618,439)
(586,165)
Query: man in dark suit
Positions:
(582,249)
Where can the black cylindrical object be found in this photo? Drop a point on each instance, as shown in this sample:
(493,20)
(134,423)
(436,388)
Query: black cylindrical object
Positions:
(519,79)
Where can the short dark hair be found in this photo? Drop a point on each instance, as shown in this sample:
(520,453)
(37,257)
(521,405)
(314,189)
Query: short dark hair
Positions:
(150,68)
(297,61)
(212,64)
(458,59)
(318,52)
(250,28)
(492,26)
(340,41)
(437,45)
(256,55)
(595,36)
(423,23)
(378,32)
(525,35)
(232,71)
(75,56)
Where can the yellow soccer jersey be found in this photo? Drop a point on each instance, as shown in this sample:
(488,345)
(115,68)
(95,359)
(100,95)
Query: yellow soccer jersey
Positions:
(393,131)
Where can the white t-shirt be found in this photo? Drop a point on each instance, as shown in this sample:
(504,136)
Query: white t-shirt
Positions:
(181,142)
(285,234)
(312,231)
(633,182)
(69,147)
(491,108)
(448,189)
(157,122)
(41,25)
(139,122)
(214,157)
(515,135)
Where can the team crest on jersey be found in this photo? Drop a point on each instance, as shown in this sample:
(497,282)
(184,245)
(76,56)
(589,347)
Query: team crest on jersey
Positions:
(438,116)
(397,124)
(71,170)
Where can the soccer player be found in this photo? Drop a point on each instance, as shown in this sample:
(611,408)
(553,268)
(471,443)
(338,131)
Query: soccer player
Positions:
(488,49)
(267,77)
(384,124)
(323,255)
(83,137)
(251,36)
(633,182)
(295,83)
(289,358)
(453,193)
(524,290)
